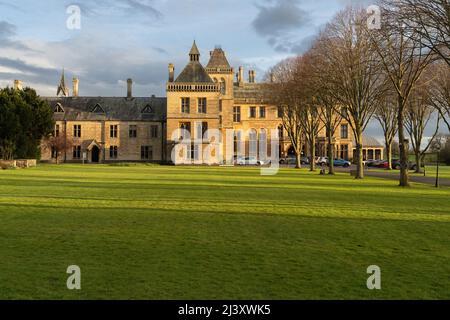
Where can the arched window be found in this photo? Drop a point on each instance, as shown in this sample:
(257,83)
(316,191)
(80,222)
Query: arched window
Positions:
(238,151)
(252,143)
(263,144)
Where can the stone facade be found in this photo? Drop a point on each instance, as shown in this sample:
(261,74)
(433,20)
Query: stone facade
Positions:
(110,129)
(200,99)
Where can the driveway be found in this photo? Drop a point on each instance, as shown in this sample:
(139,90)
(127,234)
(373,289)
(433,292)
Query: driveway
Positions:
(395,175)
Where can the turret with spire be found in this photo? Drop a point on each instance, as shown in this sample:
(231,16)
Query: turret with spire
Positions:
(194,71)
(195,53)
(62,88)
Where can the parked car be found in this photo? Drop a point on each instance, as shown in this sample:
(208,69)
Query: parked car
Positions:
(382,164)
(373,163)
(397,165)
(304,160)
(342,163)
(291,159)
(249,161)
(322,161)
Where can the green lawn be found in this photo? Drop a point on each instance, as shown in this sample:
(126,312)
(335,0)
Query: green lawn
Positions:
(444,171)
(151,232)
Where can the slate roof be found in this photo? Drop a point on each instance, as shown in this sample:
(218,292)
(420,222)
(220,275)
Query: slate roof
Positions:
(251,92)
(218,60)
(115,108)
(194,73)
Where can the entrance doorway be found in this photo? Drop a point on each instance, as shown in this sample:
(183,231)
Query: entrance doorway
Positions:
(95,154)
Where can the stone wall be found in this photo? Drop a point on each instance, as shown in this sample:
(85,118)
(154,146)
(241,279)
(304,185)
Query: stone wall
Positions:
(22,163)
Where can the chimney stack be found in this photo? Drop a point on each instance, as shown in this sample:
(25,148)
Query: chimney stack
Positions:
(18,85)
(241,76)
(251,76)
(75,83)
(130,88)
(171,72)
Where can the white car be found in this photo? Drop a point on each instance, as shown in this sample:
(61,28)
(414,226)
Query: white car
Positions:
(249,161)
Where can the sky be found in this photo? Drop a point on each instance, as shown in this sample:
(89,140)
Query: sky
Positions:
(120,39)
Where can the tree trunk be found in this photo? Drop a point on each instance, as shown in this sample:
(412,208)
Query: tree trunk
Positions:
(418,162)
(404,176)
(389,154)
(359,156)
(298,162)
(312,149)
(330,154)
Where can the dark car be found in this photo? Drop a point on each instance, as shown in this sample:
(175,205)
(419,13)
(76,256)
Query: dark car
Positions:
(374,163)
(291,159)
(342,163)
(382,164)
(411,165)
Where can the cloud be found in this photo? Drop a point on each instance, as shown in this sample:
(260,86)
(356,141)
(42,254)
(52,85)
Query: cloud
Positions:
(142,10)
(279,21)
(7,33)
(283,16)
(102,68)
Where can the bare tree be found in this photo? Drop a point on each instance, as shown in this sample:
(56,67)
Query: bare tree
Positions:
(58,145)
(328,104)
(431,21)
(419,113)
(355,78)
(284,91)
(386,114)
(309,109)
(404,58)
(310,121)
(440,91)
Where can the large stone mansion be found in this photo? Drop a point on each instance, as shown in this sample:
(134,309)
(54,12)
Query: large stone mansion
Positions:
(108,129)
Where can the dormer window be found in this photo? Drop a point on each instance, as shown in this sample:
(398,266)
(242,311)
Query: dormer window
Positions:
(58,108)
(147,110)
(98,109)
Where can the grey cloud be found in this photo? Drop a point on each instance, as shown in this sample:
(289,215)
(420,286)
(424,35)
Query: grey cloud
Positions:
(280,17)
(279,21)
(7,30)
(100,68)
(7,33)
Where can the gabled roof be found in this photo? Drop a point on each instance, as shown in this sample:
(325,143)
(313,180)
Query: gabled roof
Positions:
(98,109)
(58,108)
(194,73)
(370,142)
(115,108)
(218,60)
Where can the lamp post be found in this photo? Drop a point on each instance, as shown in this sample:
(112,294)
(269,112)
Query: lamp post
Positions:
(438,149)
